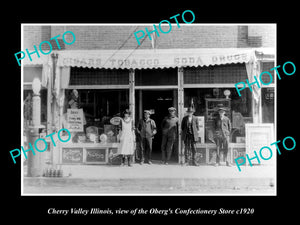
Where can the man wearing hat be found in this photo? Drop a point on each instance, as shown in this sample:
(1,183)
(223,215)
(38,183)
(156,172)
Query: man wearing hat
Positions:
(169,127)
(189,134)
(222,128)
(146,128)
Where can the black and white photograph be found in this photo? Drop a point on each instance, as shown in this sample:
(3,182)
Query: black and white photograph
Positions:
(150,113)
(149,109)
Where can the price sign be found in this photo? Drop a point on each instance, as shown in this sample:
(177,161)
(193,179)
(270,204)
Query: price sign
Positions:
(75,120)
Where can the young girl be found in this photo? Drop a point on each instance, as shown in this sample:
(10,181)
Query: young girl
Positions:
(126,147)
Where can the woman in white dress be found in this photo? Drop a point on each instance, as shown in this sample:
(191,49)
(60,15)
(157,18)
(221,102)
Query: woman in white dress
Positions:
(127,138)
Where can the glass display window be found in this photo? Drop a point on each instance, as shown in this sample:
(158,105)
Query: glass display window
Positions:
(206,100)
(99,107)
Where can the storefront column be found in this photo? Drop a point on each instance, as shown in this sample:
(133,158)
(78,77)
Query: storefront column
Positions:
(257,110)
(260,97)
(180,113)
(140,104)
(49,111)
(132,97)
(132,93)
(55,112)
(257,105)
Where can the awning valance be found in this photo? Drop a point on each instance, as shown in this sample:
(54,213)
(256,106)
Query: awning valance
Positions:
(152,58)
(148,58)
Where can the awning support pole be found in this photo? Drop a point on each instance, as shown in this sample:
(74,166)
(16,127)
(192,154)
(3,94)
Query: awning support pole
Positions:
(180,114)
(132,98)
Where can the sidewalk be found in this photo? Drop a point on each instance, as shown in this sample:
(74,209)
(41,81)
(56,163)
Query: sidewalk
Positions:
(155,179)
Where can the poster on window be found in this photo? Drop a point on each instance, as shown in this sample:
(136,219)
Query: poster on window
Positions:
(75,120)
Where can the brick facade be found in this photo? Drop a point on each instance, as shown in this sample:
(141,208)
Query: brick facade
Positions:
(121,36)
(266,32)
(34,35)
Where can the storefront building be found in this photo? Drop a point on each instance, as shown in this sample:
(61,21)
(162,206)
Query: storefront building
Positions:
(109,81)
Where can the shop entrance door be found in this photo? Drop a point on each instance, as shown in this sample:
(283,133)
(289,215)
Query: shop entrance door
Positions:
(158,101)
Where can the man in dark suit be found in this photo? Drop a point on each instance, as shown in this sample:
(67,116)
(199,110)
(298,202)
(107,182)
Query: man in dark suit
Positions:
(190,128)
(222,126)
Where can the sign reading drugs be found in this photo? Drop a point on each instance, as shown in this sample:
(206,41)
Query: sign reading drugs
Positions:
(75,120)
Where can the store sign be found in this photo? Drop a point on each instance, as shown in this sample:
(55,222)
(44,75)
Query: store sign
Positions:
(230,58)
(95,155)
(75,120)
(237,153)
(150,62)
(160,58)
(72,155)
(111,63)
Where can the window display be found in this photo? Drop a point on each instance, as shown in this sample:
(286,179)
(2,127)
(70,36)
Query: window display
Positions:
(99,107)
(205,101)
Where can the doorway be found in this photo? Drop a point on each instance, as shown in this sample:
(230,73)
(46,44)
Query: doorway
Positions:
(158,102)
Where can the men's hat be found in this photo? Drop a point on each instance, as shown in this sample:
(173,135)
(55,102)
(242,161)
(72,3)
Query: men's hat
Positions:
(221,107)
(190,109)
(171,109)
(147,111)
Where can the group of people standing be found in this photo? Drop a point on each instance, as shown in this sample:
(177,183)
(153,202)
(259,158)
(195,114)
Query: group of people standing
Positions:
(146,130)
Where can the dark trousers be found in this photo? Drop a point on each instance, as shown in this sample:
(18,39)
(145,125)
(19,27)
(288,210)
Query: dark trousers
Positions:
(189,151)
(167,146)
(145,149)
(129,158)
(222,145)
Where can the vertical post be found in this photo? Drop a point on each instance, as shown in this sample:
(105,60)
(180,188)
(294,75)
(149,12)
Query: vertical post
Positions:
(60,117)
(119,100)
(35,161)
(180,113)
(53,56)
(95,103)
(132,93)
(254,110)
(36,110)
(257,104)
(132,97)
(259,69)
(49,105)
(175,104)
(55,110)
(140,104)
(257,110)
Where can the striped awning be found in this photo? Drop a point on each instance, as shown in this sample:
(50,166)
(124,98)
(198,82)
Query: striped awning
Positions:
(153,58)
(150,58)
